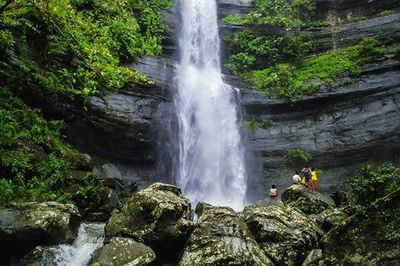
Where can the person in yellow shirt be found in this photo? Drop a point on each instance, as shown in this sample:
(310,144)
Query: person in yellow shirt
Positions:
(314,179)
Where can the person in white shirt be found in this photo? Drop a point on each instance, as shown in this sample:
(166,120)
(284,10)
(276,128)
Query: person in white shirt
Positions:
(273,193)
(296,178)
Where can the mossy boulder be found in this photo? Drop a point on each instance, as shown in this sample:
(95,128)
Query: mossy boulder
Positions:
(25,226)
(221,237)
(158,216)
(313,258)
(309,202)
(330,218)
(369,237)
(123,251)
(285,234)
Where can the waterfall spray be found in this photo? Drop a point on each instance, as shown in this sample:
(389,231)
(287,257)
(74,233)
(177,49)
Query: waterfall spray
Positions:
(211,159)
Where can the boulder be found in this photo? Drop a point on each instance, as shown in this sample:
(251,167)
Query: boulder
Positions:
(111,170)
(285,234)
(341,198)
(25,226)
(157,216)
(123,251)
(330,218)
(39,256)
(85,162)
(313,258)
(369,237)
(265,203)
(221,237)
(309,202)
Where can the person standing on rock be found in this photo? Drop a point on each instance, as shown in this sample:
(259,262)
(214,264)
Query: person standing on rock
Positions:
(273,193)
(314,179)
(306,172)
(296,178)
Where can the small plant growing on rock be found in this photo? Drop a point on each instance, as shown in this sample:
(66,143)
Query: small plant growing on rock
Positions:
(253,125)
(386,13)
(297,157)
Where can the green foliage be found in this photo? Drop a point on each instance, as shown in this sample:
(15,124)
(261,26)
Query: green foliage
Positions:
(253,125)
(35,161)
(251,51)
(90,191)
(240,62)
(397,53)
(294,82)
(78,44)
(387,13)
(6,39)
(234,19)
(280,13)
(375,181)
(297,157)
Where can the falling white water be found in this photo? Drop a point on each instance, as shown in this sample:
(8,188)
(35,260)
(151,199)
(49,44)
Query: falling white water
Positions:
(90,237)
(211,163)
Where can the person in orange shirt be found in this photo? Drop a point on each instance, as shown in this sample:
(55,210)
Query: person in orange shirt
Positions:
(314,179)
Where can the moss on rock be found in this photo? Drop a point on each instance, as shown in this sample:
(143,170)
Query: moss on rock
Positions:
(285,234)
(221,237)
(156,216)
(309,202)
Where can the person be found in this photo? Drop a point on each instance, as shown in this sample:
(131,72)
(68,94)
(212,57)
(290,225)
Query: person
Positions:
(296,178)
(303,179)
(273,193)
(307,175)
(314,179)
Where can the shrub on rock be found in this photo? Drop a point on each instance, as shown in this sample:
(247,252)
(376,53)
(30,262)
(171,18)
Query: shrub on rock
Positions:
(369,237)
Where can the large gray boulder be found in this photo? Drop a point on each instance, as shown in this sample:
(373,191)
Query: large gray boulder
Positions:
(156,216)
(41,223)
(24,226)
(309,202)
(221,237)
(285,234)
(123,251)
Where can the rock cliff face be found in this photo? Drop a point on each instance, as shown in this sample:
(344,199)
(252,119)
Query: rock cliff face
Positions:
(350,122)
(354,120)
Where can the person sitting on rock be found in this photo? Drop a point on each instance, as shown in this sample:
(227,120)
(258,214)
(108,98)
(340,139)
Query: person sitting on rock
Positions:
(273,193)
(307,175)
(296,178)
(314,179)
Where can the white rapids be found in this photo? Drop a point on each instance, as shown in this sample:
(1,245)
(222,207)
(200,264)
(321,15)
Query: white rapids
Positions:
(90,237)
(211,158)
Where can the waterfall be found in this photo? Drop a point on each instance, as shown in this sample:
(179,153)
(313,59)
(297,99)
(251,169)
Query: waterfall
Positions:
(90,237)
(211,159)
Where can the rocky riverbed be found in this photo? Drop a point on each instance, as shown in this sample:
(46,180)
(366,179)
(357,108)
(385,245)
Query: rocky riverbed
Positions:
(156,227)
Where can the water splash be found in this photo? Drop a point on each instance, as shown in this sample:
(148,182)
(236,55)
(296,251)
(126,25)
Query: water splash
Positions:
(90,237)
(211,160)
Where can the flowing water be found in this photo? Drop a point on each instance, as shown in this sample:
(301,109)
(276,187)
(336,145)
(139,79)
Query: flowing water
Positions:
(211,158)
(90,237)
